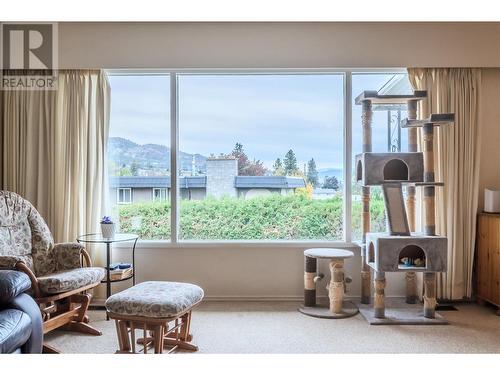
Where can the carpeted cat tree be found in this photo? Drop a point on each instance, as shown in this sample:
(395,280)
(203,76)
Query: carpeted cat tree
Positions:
(400,249)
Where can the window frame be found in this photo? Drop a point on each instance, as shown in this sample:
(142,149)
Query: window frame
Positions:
(174,241)
(160,189)
(118,196)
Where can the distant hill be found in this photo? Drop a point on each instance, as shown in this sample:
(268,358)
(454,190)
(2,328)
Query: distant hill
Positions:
(154,159)
(124,152)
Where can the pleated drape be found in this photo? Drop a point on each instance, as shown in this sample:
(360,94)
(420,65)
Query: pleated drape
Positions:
(54,149)
(457,165)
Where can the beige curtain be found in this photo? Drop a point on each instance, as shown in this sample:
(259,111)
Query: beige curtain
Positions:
(28,119)
(457,165)
(54,147)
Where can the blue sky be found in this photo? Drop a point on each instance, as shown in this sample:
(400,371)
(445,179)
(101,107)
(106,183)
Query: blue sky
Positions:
(268,114)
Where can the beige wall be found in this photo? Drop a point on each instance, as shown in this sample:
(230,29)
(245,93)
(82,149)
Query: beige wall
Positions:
(277,45)
(240,272)
(490,140)
(248,272)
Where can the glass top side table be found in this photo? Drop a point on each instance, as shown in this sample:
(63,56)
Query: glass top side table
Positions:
(97,238)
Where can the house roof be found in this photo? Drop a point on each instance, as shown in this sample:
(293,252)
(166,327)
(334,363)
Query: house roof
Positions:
(156,182)
(278,182)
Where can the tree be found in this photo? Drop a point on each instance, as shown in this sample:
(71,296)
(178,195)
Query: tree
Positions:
(242,158)
(255,168)
(245,166)
(312,173)
(134,169)
(278,168)
(124,171)
(331,183)
(290,163)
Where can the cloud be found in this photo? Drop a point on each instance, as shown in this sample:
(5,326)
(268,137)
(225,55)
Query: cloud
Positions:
(268,114)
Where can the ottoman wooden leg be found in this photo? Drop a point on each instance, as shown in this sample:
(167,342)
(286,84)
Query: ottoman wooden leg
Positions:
(186,322)
(123,339)
(158,339)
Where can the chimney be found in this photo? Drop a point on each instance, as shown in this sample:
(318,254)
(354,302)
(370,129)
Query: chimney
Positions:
(221,173)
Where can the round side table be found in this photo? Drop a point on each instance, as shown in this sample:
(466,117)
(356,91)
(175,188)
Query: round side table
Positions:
(337,307)
(97,238)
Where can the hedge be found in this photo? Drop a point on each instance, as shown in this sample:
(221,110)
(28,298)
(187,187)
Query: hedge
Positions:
(272,217)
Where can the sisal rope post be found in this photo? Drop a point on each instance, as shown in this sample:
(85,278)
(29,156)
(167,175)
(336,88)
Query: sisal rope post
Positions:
(379,295)
(310,271)
(430,295)
(429,215)
(410,277)
(429,191)
(366,123)
(336,287)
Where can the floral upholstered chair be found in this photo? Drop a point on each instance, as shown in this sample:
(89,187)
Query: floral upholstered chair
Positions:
(60,283)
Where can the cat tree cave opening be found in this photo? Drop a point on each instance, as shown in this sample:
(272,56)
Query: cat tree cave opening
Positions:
(396,170)
(359,171)
(371,253)
(412,256)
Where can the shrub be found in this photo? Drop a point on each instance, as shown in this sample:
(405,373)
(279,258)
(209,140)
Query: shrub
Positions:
(272,217)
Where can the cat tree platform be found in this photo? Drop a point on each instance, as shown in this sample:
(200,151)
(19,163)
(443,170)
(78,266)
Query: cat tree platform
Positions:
(417,253)
(374,98)
(378,168)
(435,119)
(400,313)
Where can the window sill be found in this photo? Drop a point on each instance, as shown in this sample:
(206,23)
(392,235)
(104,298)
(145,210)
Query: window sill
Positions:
(160,244)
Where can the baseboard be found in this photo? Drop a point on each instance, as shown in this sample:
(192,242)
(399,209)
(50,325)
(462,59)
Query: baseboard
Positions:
(100,301)
(96,301)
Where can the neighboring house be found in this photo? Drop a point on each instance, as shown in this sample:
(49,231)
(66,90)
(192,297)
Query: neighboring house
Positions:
(321,193)
(221,180)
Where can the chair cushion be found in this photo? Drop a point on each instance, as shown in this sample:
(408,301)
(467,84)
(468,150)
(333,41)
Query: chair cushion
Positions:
(156,299)
(12,284)
(15,330)
(70,280)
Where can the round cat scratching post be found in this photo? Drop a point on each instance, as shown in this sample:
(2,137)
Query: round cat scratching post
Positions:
(336,307)
(411,282)
(379,295)
(366,122)
(429,214)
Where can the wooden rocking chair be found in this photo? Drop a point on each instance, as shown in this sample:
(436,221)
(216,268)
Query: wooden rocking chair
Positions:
(61,285)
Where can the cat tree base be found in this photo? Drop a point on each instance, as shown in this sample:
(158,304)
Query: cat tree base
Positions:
(398,312)
(323,311)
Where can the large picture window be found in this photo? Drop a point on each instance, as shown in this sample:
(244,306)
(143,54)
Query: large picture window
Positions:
(139,154)
(269,150)
(387,136)
(259,157)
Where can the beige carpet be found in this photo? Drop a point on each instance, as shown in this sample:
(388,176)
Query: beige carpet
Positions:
(272,327)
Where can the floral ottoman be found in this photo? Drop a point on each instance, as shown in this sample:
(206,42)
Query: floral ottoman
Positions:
(161,309)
